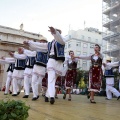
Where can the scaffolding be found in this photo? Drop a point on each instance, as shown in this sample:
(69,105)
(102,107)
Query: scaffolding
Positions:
(111,28)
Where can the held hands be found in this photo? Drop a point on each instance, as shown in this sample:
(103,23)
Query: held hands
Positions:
(25,43)
(3,57)
(52,30)
(11,54)
(104,64)
(75,57)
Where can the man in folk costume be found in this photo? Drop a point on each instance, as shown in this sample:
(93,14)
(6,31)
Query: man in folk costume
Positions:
(108,66)
(39,66)
(95,72)
(30,60)
(18,73)
(10,69)
(70,77)
(55,61)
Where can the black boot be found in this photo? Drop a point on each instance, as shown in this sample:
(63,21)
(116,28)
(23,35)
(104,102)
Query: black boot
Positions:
(64,96)
(118,98)
(52,100)
(46,99)
(37,96)
(34,98)
(18,93)
(14,94)
(25,96)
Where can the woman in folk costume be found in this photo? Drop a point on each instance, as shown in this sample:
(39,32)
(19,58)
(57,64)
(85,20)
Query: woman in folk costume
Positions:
(70,77)
(30,60)
(44,84)
(18,72)
(39,68)
(109,75)
(95,72)
(10,69)
(57,85)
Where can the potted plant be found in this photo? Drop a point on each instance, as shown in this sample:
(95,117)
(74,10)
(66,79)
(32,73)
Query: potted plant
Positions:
(13,110)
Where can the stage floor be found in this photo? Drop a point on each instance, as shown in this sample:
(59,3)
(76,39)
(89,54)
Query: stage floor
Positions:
(78,109)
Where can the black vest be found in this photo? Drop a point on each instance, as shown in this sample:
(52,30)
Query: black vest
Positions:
(41,58)
(109,73)
(30,61)
(20,64)
(58,50)
(11,67)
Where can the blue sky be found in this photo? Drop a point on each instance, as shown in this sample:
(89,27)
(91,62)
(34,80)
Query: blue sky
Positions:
(37,15)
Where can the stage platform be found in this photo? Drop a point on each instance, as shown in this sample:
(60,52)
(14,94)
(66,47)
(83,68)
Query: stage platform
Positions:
(78,109)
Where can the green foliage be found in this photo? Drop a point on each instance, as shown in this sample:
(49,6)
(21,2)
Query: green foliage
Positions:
(82,84)
(82,74)
(13,110)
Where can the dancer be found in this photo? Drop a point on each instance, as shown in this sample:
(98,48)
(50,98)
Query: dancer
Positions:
(39,66)
(11,62)
(18,72)
(55,61)
(44,84)
(57,86)
(28,70)
(95,72)
(70,77)
(110,79)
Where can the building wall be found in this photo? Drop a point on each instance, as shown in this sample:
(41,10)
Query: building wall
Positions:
(10,40)
(82,43)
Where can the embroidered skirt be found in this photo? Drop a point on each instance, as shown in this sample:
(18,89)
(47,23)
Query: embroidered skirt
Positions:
(58,81)
(45,81)
(95,79)
(70,78)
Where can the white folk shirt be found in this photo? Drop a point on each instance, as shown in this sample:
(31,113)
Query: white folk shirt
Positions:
(110,80)
(68,60)
(52,64)
(7,61)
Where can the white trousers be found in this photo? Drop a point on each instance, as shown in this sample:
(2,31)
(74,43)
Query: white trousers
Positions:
(52,76)
(27,84)
(36,84)
(9,79)
(110,90)
(17,85)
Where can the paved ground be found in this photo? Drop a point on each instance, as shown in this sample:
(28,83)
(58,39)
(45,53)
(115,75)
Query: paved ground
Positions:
(78,109)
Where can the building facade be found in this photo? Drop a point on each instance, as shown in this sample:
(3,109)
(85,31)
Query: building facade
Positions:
(10,40)
(82,43)
(111,28)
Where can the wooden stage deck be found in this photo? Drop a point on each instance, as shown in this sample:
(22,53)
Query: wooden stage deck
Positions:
(78,109)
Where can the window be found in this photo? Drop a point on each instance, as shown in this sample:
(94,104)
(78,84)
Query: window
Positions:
(69,45)
(83,37)
(92,46)
(84,45)
(78,44)
(89,38)
(78,53)
(84,65)
(84,53)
